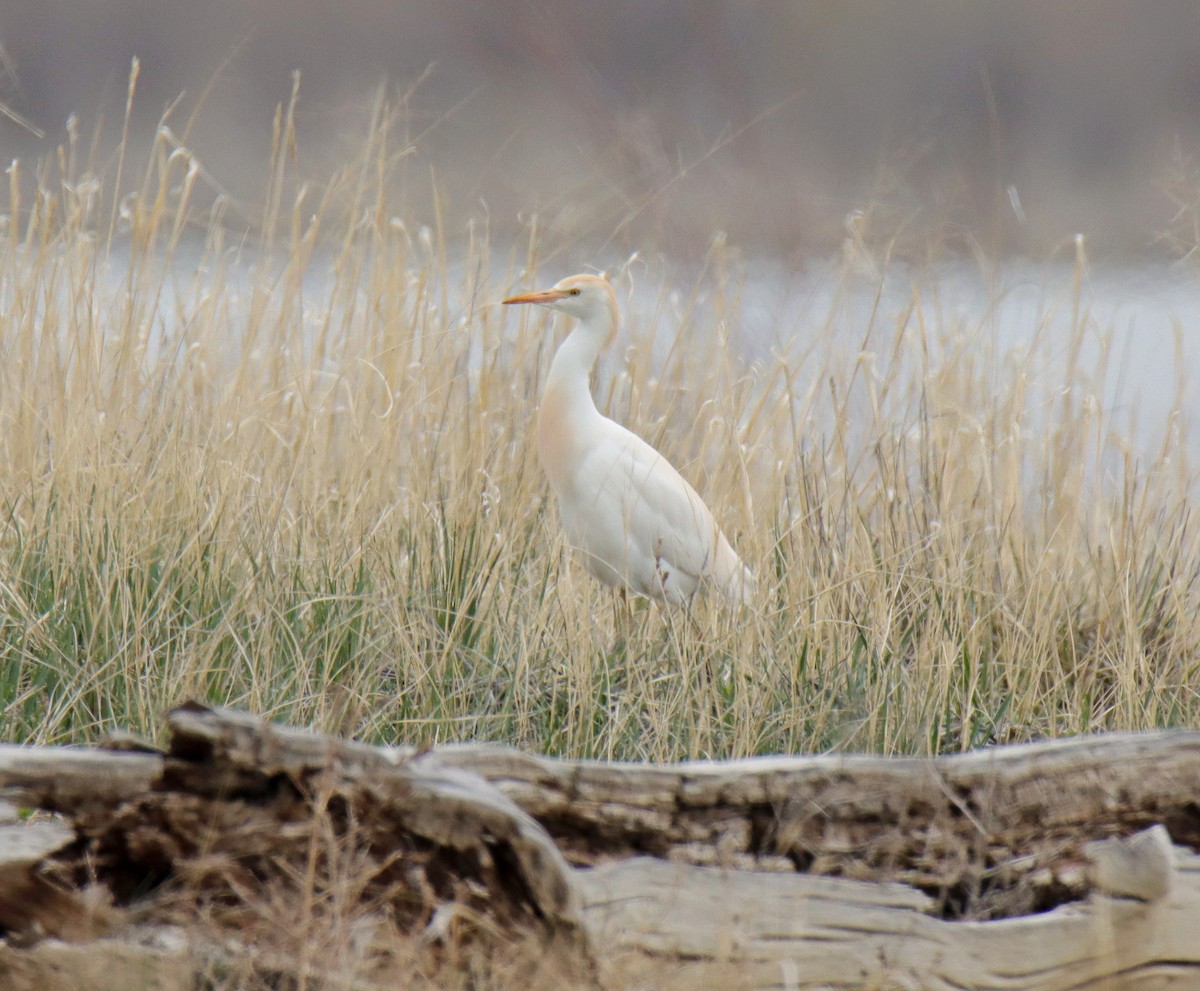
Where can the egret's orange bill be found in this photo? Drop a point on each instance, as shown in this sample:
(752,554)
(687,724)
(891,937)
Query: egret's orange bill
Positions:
(541,296)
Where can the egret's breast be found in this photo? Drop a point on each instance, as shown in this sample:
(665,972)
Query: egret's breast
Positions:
(557,445)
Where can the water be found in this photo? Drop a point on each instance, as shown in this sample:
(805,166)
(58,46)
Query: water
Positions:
(1137,351)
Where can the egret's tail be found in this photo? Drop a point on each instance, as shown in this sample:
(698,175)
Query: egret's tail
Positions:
(733,577)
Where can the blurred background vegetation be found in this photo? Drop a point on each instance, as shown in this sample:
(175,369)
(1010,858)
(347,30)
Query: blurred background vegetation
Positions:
(1011,123)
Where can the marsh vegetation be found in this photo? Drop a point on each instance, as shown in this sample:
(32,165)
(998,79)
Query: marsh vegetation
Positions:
(286,463)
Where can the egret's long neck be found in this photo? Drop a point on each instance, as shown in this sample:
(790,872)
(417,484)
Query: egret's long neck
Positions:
(573,361)
(568,408)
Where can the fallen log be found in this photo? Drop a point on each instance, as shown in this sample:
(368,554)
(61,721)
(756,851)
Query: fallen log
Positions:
(1056,865)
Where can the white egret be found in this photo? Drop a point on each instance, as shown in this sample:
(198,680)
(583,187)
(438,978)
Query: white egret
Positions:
(638,525)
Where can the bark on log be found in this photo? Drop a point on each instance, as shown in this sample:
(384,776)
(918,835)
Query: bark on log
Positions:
(1056,865)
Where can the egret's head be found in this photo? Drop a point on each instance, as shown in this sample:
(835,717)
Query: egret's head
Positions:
(585,297)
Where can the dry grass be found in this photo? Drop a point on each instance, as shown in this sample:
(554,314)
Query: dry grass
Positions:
(297,477)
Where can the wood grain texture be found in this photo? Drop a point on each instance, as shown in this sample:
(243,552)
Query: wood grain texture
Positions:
(774,930)
(1044,867)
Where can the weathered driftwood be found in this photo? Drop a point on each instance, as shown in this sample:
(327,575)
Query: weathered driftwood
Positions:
(1055,865)
(772,930)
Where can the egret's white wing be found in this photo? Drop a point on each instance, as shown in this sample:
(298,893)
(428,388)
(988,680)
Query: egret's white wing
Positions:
(639,522)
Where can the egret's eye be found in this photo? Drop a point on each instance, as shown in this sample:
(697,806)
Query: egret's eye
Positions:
(575,292)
